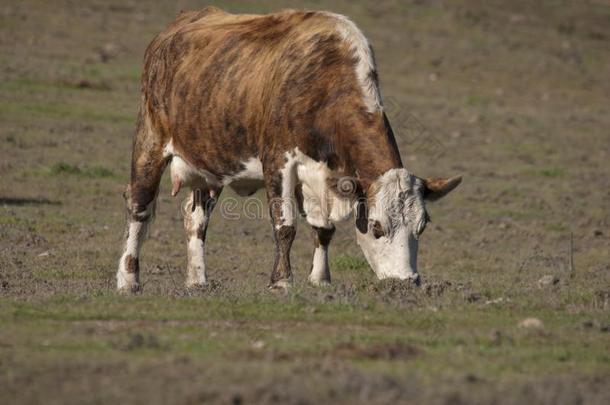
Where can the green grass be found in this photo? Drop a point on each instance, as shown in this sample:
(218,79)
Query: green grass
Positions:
(346,262)
(58,111)
(554,172)
(436,335)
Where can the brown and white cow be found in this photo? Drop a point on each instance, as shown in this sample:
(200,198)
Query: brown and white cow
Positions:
(287,101)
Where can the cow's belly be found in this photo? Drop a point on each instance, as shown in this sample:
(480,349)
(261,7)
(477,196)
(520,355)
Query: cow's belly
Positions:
(247,181)
(322,206)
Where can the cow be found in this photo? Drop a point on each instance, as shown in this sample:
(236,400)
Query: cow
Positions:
(288,102)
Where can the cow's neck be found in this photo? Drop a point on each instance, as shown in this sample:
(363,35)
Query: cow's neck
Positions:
(374,153)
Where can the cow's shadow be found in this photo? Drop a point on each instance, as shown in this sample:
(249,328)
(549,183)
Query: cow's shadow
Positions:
(27,201)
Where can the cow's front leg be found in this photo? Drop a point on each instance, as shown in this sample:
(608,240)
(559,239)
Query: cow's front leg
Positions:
(320,272)
(283,209)
(197,211)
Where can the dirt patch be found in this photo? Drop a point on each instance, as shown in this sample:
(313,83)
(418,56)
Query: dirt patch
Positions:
(378,351)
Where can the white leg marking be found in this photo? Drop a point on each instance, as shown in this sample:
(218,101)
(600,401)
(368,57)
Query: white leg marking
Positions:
(196,262)
(289,178)
(319,271)
(195,222)
(126,280)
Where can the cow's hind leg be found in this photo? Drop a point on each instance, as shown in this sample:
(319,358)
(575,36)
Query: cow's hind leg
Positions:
(197,211)
(147,167)
(320,272)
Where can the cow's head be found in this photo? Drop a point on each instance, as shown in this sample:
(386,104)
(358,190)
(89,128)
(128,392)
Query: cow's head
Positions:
(390,218)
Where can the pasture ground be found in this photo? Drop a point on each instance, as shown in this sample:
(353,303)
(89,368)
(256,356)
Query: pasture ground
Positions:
(512,95)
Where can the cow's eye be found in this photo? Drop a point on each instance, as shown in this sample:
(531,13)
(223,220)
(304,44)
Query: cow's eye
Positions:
(377,230)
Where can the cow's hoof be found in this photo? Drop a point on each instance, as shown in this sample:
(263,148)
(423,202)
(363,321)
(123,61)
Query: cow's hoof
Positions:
(319,283)
(129,289)
(280,285)
(196,286)
(416,280)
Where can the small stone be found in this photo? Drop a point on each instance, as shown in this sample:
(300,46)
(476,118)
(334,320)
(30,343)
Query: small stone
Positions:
(598,233)
(258,345)
(548,280)
(498,300)
(531,323)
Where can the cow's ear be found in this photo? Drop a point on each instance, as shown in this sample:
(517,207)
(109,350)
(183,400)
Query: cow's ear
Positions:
(435,189)
(345,186)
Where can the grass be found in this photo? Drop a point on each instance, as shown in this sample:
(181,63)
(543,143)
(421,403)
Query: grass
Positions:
(21,110)
(435,335)
(89,172)
(347,262)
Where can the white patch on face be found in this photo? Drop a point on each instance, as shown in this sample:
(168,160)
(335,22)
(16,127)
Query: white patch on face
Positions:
(319,269)
(398,201)
(366,63)
(394,257)
(398,206)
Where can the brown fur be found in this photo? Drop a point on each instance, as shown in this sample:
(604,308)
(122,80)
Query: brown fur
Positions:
(132,265)
(229,87)
(322,236)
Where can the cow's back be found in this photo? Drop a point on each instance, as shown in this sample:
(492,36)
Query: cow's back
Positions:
(227,87)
